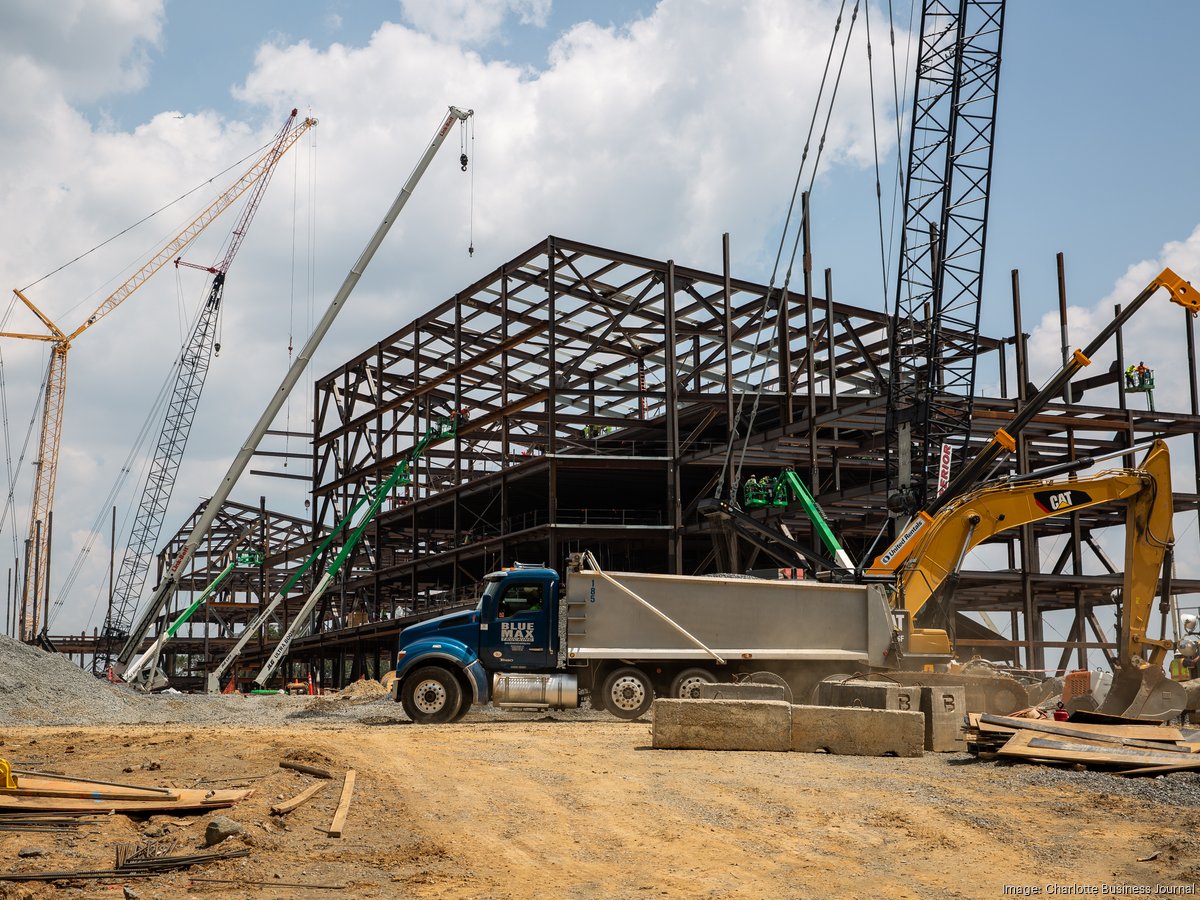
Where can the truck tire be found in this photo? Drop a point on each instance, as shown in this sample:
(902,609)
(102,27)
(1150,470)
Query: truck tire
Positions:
(431,696)
(686,684)
(627,693)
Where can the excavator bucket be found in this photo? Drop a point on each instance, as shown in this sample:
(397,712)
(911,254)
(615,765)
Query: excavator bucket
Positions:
(1144,693)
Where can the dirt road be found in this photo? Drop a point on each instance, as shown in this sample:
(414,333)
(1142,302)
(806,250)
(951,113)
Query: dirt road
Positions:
(530,806)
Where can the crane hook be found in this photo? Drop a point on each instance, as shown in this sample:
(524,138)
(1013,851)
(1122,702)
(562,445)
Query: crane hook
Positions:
(462,159)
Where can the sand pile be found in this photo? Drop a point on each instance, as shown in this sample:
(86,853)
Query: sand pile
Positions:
(363,691)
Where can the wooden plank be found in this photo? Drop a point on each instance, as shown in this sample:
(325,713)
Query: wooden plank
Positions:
(54,776)
(339,817)
(303,797)
(307,770)
(1133,735)
(1030,745)
(186,800)
(1190,766)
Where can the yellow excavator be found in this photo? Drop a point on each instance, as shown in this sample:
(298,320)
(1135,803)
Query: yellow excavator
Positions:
(924,584)
(923,561)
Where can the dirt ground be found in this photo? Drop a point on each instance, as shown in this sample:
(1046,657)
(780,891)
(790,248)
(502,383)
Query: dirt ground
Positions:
(534,806)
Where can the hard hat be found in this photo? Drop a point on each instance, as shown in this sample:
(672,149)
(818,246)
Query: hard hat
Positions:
(1189,647)
(1190,623)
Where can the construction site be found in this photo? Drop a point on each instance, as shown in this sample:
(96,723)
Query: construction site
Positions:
(689,582)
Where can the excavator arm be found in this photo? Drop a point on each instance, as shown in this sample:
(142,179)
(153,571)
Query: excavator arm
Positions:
(931,571)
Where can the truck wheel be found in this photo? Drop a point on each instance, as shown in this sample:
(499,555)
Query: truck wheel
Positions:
(431,696)
(627,693)
(686,684)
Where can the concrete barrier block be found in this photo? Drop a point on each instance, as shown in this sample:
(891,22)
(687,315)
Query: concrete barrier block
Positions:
(722,725)
(869,694)
(855,731)
(944,708)
(743,691)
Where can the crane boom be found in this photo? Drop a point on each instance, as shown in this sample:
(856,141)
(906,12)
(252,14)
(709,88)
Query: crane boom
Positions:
(34,585)
(191,371)
(935,331)
(170,581)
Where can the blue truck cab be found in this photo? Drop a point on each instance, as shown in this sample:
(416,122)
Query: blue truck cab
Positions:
(508,650)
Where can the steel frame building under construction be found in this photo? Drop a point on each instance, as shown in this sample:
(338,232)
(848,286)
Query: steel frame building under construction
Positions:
(605,397)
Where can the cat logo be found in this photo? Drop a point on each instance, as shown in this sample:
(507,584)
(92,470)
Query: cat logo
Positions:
(1059,501)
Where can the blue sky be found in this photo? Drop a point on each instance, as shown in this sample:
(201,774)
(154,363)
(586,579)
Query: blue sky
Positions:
(642,126)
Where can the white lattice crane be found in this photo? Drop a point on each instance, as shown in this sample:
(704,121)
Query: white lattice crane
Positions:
(33,591)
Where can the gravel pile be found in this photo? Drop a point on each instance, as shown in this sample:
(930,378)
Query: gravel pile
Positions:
(40,688)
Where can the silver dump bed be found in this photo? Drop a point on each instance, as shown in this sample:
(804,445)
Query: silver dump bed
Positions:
(623,615)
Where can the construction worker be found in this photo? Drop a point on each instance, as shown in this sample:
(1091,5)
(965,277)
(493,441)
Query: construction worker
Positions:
(750,491)
(1179,669)
(1141,374)
(1131,376)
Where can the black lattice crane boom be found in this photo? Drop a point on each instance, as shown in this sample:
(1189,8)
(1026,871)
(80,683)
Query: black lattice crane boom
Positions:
(191,370)
(34,584)
(940,283)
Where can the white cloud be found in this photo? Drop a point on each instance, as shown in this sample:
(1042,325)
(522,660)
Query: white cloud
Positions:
(88,48)
(653,138)
(471,22)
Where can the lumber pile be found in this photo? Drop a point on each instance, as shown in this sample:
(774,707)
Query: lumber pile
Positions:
(45,792)
(1123,748)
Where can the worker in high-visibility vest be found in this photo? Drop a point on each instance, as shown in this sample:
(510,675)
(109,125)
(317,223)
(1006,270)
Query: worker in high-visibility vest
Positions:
(1180,671)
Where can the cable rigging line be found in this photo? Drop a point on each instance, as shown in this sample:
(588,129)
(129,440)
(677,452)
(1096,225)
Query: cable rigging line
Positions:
(148,217)
(781,326)
(774,273)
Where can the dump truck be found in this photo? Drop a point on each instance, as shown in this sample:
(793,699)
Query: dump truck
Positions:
(537,641)
(534,641)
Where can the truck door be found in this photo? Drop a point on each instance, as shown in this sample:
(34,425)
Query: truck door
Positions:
(518,634)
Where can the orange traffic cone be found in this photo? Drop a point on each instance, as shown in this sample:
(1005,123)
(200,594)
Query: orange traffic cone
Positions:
(310,684)
(231,688)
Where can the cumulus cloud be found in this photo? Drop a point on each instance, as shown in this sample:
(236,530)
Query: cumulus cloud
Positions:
(655,137)
(88,48)
(471,22)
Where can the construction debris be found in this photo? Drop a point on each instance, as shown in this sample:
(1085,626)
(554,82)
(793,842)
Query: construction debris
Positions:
(51,793)
(303,797)
(307,770)
(1147,748)
(132,859)
(343,809)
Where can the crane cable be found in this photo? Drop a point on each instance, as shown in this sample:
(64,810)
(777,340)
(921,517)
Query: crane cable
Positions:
(878,186)
(207,182)
(782,327)
(774,273)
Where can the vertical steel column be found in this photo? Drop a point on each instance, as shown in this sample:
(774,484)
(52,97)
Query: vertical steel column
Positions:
(814,479)
(1029,558)
(727,340)
(456,500)
(552,400)
(1076,537)
(834,456)
(1194,392)
(670,382)
(1121,398)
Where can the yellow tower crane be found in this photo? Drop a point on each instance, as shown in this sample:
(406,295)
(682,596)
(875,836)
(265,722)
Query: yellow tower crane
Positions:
(46,465)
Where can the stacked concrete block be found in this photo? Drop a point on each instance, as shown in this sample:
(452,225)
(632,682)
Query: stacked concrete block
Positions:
(743,691)
(856,731)
(722,725)
(944,708)
(870,695)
